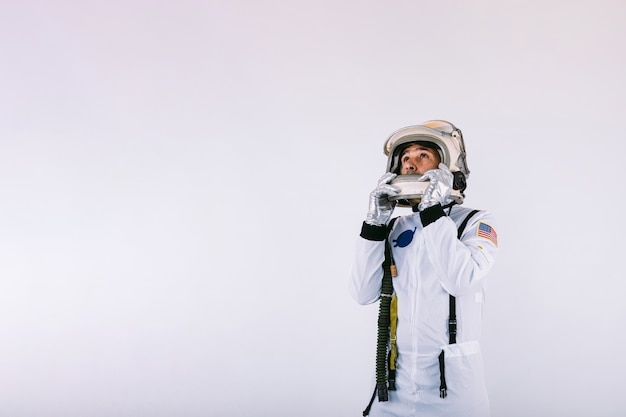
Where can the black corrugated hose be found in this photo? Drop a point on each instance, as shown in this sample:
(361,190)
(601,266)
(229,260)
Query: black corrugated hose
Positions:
(384,320)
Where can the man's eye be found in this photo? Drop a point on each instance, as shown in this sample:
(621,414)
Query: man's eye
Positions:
(405,158)
(424,155)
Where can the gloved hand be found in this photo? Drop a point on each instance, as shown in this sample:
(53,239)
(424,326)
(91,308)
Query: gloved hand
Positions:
(381,207)
(439,189)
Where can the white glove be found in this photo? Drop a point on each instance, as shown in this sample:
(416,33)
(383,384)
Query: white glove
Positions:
(381,207)
(439,189)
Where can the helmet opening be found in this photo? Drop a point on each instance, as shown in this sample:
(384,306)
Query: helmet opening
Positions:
(399,151)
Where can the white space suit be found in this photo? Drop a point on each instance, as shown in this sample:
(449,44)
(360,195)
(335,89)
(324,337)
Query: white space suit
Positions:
(432,263)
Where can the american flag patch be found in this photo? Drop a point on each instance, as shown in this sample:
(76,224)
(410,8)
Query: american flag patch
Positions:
(487,232)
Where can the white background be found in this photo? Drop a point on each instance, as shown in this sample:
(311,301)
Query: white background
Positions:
(182,184)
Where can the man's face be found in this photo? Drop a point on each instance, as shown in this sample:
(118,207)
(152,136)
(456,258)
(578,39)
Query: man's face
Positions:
(417,159)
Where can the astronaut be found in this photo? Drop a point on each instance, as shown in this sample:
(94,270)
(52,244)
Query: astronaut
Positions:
(439,283)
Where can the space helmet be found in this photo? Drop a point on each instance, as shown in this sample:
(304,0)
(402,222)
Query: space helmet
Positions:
(440,135)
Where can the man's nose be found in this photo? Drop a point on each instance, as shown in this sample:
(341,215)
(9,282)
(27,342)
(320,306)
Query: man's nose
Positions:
(410,167)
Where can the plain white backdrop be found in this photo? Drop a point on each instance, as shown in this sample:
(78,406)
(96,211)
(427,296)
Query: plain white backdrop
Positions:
(182,184)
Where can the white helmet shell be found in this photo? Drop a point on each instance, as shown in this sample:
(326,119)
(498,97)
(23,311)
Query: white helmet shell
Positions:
(438,134)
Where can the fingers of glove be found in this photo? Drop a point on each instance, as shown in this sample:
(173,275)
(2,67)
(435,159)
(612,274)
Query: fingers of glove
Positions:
(387,178)
(438,191)
(385,189)
(445,174)
(438,174)
(435,193)
(429,191)
(429,175)
(444,167)
(427,198)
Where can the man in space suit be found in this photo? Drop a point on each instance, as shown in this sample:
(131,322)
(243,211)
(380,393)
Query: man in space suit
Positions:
(439,285)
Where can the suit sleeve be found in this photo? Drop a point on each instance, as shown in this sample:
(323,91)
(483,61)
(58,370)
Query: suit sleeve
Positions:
(460,264)
(367,272)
